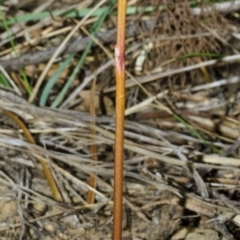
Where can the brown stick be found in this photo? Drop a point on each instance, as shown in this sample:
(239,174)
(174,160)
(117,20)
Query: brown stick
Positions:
(48,175)
(92,182)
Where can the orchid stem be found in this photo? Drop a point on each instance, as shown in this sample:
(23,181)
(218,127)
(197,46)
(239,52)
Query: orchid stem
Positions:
(120,108)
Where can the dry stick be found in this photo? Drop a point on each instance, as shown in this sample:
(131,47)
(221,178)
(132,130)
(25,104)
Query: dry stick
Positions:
(120,109)
(93,147)
(51,182)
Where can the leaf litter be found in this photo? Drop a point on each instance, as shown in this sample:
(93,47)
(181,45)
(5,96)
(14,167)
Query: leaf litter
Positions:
(181,169)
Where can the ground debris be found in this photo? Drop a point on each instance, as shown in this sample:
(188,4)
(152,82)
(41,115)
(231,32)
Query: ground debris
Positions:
(181,158)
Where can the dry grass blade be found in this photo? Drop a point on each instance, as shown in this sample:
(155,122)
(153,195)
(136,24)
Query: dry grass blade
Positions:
(42,76)
(93,147)
(52,184)
(181,130)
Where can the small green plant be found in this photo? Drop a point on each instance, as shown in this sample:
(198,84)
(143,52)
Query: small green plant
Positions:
(25,80)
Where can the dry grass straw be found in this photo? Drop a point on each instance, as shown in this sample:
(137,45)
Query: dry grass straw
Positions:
(165,163)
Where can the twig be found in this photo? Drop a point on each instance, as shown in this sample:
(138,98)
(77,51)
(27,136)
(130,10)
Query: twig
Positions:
(93,147)
(51,182)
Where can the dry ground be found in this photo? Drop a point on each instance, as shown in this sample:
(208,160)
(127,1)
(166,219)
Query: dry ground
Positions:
(182,127)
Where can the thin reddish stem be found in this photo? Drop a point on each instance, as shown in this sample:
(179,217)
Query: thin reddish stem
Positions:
(120,109)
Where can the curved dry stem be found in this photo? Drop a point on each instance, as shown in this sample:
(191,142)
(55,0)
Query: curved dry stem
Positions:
(48,175)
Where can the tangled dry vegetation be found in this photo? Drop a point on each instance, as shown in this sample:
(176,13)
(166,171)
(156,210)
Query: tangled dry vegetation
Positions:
(182,119)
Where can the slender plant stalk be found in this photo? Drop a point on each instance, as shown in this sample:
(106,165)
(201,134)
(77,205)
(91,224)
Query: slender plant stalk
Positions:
(120,108)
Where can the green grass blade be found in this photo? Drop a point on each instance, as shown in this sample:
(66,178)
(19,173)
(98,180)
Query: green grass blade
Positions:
(95,28)
(42,15)
(4,82)
(196,134)
(48,87)
(200,54)
(28,88)
(71,78)
(73,14)
(2,1)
